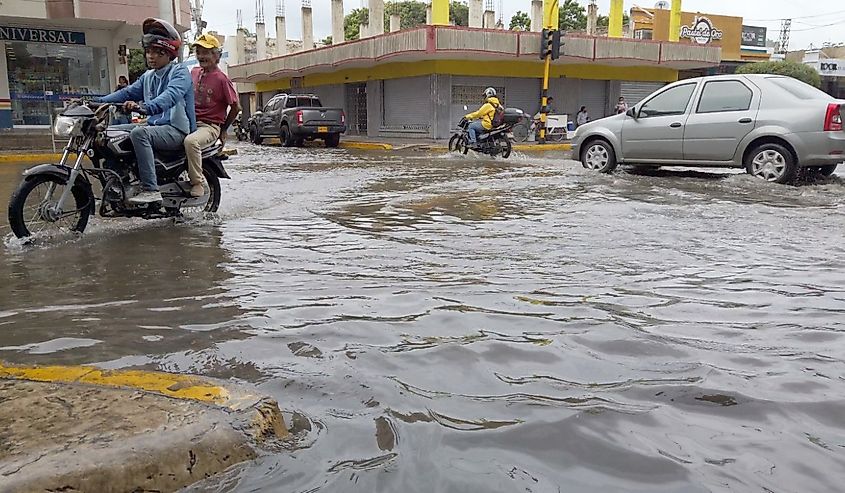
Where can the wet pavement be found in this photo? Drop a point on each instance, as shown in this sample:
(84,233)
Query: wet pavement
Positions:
(444,323)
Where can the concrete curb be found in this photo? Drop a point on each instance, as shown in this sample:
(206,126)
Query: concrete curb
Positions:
(81,428)
(367,146)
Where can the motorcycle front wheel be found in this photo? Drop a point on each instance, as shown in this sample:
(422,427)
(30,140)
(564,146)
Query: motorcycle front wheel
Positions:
(31,208)
(455,143)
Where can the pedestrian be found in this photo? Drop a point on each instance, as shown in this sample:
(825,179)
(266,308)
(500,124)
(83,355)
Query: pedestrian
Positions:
(621,106)
(582,117)
(122,82)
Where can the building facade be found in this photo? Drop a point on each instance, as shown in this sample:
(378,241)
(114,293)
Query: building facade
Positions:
(416,82)
(831,70)
(56,50)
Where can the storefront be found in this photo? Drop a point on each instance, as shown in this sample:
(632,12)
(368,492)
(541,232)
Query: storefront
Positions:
(832,72)
(42,68)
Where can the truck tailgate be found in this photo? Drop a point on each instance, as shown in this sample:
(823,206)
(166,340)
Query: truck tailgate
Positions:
(322,116)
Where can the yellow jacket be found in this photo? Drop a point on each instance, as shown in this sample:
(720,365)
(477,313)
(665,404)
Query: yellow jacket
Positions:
(486,112)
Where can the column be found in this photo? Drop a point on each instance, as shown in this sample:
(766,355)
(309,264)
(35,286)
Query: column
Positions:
(281,36)
(476,10)
(307,28)
(376,17)
(337,22)
(614,28)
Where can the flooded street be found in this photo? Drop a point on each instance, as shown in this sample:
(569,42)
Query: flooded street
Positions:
(445,323)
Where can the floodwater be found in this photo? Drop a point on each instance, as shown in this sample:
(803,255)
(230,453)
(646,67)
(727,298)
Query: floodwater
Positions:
(436,323)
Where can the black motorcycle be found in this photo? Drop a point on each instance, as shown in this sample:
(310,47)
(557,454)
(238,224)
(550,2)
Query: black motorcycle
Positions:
(240,129)
(60,198)
(493,142)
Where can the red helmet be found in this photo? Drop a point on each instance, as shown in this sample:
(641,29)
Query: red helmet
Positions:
(161,34)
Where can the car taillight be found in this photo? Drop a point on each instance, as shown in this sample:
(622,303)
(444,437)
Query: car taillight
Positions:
(342,118)
(832,119)
(299,117)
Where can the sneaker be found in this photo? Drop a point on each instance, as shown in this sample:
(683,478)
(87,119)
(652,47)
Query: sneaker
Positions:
(197,190)
(146,197)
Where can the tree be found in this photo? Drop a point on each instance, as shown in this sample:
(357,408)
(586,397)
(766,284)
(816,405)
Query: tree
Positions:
(799,71)
(572,16)
(137,63)
(459,13)
(604,21)
(327,41)
(352,23)
(411,13)
(520,22)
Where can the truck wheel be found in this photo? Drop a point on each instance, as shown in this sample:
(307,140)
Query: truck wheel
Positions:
(286,137)
(332,140)
(254,136)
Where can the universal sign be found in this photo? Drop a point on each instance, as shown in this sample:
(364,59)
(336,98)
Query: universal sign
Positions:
(41,35)
(701,31)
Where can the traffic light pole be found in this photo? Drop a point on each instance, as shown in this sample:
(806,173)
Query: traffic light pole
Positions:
(544,101)
(550,23)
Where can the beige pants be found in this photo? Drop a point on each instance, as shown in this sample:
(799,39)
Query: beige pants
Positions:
(194,143)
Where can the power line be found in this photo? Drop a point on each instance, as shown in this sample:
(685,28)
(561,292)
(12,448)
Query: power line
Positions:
(799,17)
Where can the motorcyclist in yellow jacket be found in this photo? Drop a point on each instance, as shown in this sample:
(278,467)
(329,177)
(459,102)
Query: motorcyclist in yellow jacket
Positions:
(483,118)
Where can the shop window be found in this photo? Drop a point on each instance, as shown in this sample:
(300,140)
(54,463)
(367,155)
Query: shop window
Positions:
(643,34)
(43,76)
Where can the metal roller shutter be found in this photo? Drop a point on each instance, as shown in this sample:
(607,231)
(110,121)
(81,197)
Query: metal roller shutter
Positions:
(634,92)
(469,92)
(331,96)
(594,97)
(523,94)
(407,104)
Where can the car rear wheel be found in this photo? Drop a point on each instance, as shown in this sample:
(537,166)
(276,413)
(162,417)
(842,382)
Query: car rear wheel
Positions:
(286,137)
(332,140)
(598,155)
(772,162)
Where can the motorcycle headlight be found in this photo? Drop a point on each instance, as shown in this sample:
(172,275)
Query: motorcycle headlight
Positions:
(65,126)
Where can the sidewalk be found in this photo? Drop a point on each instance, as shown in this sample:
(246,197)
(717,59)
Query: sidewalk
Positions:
(78,428)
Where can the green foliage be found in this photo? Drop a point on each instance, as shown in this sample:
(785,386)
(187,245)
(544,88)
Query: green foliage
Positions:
(799,71)
(411,13)
(520,22)
(352,23)
(137,63)
(604,21)
(572,16)
(459,13)
(327,41)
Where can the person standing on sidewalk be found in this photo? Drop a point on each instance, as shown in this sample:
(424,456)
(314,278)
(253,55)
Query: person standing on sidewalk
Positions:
(214,94)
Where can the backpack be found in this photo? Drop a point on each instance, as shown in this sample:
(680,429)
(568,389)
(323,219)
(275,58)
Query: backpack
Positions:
(498,116)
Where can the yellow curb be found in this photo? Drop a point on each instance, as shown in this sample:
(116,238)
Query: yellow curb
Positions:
(542,147)
(28,157)
(168,384)
(370,146)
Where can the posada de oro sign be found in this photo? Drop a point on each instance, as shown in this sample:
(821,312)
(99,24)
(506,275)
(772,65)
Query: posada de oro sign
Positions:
(702,31)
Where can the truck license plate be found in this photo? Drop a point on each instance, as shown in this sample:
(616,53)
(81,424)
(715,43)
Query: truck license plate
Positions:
(323,130)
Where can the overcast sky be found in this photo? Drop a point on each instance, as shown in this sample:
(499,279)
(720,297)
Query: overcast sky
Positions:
(815,22)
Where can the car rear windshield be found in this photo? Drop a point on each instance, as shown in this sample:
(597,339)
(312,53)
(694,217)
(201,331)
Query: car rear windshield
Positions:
(797,88)
(308,102)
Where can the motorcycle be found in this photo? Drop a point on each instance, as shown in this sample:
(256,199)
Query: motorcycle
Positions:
(240,129)
(60,198)
(493,142)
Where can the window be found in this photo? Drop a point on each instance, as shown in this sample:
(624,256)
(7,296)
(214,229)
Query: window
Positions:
(797,88)
(672,101)
(724,95)
(643,34)
(291,102)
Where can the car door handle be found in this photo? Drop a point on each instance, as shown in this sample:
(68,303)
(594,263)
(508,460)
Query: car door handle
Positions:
(745,120)
(675,125)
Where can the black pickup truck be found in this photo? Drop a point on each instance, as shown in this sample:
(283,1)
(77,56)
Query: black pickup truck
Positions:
(294,118)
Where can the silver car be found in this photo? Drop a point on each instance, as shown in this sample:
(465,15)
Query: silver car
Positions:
(768,124)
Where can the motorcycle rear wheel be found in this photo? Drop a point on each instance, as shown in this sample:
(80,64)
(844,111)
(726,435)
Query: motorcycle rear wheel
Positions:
(29,207)
(506,147)
(213,203)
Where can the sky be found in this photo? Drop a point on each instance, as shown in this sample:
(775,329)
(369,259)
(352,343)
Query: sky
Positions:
(816,23)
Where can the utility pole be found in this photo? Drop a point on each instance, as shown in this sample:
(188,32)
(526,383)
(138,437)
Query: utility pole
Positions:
(196,13)
(783,41)
(549,48)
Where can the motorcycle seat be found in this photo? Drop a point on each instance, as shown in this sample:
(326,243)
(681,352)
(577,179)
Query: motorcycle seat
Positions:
(176,157)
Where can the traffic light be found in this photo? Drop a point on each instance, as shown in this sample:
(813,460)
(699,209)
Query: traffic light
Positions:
(550,44)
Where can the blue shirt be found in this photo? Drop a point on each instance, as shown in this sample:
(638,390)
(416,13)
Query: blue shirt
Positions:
(167,95)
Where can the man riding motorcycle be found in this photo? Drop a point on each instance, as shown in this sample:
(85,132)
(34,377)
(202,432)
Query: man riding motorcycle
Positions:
(482,120)
(168,98)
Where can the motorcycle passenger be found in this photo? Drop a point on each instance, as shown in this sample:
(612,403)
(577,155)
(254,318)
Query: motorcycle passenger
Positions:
(213,95)
(167,98)
(482,120)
